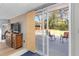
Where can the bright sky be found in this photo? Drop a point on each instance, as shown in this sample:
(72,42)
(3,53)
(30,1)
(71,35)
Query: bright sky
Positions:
(37,19)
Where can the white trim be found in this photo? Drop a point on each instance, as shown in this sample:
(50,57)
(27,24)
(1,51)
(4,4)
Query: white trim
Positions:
(47,37)
(57,6)
(40,53)
(43,33)
(52,7)
(19,53)
(69,29)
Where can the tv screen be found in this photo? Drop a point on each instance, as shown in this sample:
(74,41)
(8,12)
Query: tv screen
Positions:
(15,27)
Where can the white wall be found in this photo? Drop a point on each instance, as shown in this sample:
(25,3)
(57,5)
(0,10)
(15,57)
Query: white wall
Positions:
(22,20)
(75,29)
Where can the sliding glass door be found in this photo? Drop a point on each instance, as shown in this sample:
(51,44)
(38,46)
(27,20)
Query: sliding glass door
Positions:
(52,31)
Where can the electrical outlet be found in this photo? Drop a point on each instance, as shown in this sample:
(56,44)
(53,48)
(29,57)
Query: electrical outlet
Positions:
(23,41)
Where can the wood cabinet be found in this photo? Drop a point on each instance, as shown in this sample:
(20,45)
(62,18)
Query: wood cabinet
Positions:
(16,40)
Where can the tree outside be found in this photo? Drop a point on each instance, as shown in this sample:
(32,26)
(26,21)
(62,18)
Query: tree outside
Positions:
(58,21)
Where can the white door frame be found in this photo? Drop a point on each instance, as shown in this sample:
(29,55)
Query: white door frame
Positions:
(69,28)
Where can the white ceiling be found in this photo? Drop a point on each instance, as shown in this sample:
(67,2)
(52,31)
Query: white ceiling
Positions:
(10,10)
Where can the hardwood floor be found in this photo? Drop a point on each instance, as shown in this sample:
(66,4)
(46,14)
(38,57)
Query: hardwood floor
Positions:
(6,51)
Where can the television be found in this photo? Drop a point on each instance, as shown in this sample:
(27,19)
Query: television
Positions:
(16,27)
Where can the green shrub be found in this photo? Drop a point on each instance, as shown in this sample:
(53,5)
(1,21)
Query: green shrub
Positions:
(57,23)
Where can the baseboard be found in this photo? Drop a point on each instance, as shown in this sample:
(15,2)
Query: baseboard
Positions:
(19,53)
(40,53)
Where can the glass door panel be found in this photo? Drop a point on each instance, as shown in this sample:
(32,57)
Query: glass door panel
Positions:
(39,34)
(58,32)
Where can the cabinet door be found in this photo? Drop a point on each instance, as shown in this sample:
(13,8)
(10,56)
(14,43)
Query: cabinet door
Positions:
(19,41)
